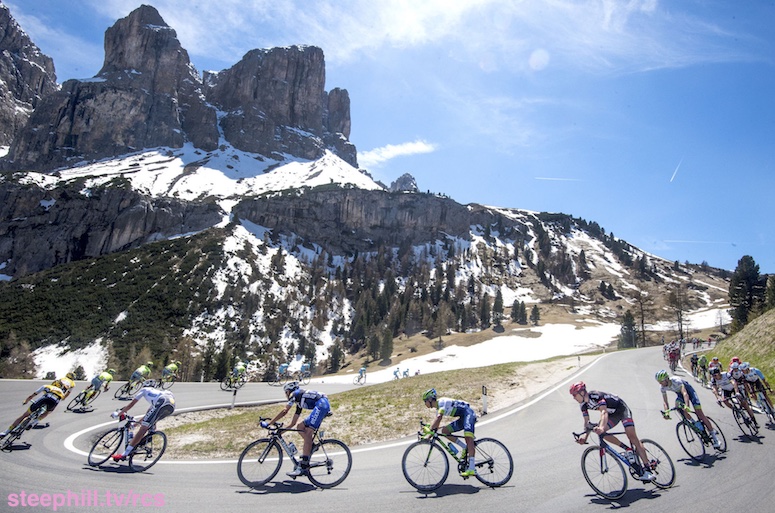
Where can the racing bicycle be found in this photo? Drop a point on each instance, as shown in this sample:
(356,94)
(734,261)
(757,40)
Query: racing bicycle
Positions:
(145,455)
(742,418)
(128,389)
(359,379)
(426,466)
(694,438)
(329,463)
(81,401)
(604,466)
(764,406)
(6,443)
(232,382)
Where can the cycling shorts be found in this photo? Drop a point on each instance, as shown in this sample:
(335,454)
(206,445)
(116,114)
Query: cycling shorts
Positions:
(757,385)
(96,383)
(728,393)
(163,407)
(465,422)
(166,372)
(621,414)
(136,376)
(49,401)
(318,413)
(693,397)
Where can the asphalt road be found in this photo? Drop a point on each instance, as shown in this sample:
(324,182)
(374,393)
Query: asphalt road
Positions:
(547,476)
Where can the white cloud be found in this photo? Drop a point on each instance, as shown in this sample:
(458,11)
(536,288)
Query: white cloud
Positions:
(379,156)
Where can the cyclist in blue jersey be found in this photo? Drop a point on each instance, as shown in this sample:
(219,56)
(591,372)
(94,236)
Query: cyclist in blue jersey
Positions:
(612,411)
(303,400)
(466,420)
(755,381)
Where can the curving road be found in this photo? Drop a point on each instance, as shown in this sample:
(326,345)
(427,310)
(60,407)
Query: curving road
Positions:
(547,475)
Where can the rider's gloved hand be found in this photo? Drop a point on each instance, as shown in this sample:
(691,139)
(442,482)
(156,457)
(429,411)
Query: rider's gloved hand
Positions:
(264,424)
(426,431)
(665,414)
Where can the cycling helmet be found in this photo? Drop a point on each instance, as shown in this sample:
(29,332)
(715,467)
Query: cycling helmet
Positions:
(177,362)
(149,364)
(745,366)
(661,375)
(736,359)
(715,358)
(70,375)
(111,371)
(291,387)
(578,388)
(429,395)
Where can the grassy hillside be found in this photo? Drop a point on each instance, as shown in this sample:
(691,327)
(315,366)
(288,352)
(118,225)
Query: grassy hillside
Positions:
(755,343)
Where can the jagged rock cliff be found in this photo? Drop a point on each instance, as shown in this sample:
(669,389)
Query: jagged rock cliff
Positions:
(26,76)
(349,220)
(146,95)
(41,228)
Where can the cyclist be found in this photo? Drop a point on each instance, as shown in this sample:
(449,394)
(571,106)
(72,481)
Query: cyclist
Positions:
(612,411)
(466,420)
(50,396)
(734,360)
(170,371)
(239,369)
(283,369)
(141,373)
(755,381)
(702,365)
(303,400)
(103,378)
(305,369)
(362,373)
(694,359)
(162,405)
(685,395)
(714,362)
(722,383)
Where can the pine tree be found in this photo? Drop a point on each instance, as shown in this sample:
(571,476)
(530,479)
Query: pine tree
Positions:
(515,311)
(386,348)
(497,308)
(484,312)
(535,315)
(628,332)
(745,291)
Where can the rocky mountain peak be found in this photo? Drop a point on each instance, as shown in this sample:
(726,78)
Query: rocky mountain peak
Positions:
(404,183)
(148,95)
(26,76)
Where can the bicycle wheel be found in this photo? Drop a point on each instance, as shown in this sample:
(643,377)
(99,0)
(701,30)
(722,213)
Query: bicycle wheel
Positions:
(425,465)
(134,387)
(494,465)
(660,463)
(77,401)
(148,451)
(105,447)
(604,473)
(690,440)
(259,462)
(357,380)
(722,440)
(241,381)
(166,384)
(329,463)
(305,378)
(226,383)
(744,422)
(122,391)
(92,397)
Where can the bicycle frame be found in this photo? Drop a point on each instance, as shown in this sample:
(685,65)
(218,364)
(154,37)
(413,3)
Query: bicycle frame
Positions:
(605,448)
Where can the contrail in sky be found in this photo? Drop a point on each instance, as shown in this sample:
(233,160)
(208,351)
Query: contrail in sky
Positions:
(676,170)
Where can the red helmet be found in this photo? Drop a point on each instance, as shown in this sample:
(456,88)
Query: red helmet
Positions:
(577,388)
(735,359)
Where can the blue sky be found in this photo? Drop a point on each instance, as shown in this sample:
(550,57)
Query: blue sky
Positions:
(654,119)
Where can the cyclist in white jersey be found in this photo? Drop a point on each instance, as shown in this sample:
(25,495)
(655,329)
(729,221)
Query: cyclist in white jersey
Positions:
(685,395)
(466,420)
(723,384)
(755,381)
(162,405)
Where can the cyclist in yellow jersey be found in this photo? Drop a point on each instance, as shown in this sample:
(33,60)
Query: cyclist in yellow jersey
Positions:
(103,378)
(171,370)
(141,373)
(50,397)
